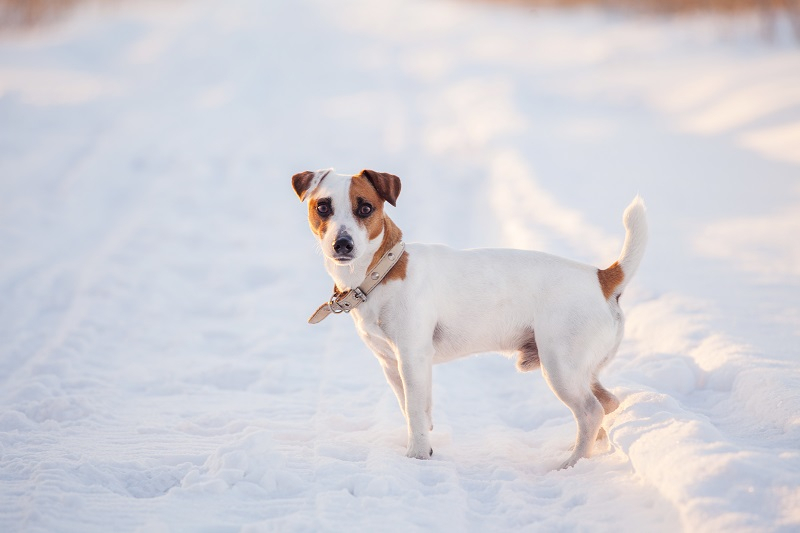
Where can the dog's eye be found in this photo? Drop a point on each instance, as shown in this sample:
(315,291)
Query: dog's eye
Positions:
(324,210)
(364,210)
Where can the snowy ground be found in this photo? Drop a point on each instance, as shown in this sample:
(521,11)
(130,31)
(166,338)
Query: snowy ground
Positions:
(157,270)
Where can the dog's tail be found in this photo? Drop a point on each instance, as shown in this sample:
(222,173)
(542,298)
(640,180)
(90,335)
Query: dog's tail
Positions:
(614,278)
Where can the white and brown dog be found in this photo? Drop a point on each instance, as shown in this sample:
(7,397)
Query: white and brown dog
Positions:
(421,304)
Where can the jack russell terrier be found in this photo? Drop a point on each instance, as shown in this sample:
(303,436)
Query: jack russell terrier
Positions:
(419,304)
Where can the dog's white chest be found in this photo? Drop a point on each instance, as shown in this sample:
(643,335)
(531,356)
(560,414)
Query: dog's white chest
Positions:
(369,329)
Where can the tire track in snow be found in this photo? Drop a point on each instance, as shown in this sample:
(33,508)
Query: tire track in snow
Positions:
(531,218)
(87,270)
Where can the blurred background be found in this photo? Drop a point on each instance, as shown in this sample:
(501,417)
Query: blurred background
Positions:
(27,13)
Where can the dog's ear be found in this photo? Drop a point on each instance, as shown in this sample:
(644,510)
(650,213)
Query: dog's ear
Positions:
(387,185)
(303,182)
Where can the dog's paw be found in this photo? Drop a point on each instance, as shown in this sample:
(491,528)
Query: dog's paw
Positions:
(569,463)
(419,453)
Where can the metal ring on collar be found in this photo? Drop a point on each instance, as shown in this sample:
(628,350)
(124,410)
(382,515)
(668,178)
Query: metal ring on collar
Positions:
(335,310)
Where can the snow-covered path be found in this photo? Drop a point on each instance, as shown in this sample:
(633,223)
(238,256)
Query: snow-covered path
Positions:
(156,271)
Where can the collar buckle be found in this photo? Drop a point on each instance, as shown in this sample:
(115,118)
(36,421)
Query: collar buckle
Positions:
(360,294)
(334,306)
(344,303)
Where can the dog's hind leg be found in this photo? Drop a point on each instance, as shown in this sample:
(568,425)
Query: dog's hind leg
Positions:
(576,394)
(588,415)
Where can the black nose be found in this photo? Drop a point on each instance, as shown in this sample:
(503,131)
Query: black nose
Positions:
(343,245)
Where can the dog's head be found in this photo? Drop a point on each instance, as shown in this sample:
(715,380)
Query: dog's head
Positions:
(346,212)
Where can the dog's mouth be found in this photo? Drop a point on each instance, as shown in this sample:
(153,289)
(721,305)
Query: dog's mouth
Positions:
(342,259)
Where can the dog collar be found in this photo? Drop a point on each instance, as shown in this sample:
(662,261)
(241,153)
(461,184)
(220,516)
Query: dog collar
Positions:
(346,302)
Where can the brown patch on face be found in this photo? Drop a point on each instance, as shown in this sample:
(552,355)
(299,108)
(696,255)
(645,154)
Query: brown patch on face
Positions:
(610,279)
(318,224)
(528,358)
(362,192)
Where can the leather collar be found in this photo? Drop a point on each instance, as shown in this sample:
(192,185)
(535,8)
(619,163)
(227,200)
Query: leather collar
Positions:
(347,301)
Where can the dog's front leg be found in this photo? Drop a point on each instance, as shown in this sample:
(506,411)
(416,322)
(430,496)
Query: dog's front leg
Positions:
(415,371)
(392,372)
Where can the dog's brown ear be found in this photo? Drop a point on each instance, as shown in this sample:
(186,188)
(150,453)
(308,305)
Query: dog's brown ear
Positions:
(302,182)
(387,185)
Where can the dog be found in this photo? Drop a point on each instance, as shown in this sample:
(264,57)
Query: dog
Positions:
(419,304)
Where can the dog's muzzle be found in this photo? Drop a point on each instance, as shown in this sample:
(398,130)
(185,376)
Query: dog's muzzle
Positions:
(343,247)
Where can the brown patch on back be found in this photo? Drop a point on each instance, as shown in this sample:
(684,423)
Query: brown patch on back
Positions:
(528,358)
(610,279)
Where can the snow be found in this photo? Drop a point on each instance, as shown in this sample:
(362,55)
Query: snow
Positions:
(157,271)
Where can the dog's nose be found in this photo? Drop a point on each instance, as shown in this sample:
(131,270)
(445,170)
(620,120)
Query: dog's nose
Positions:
(343,245)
